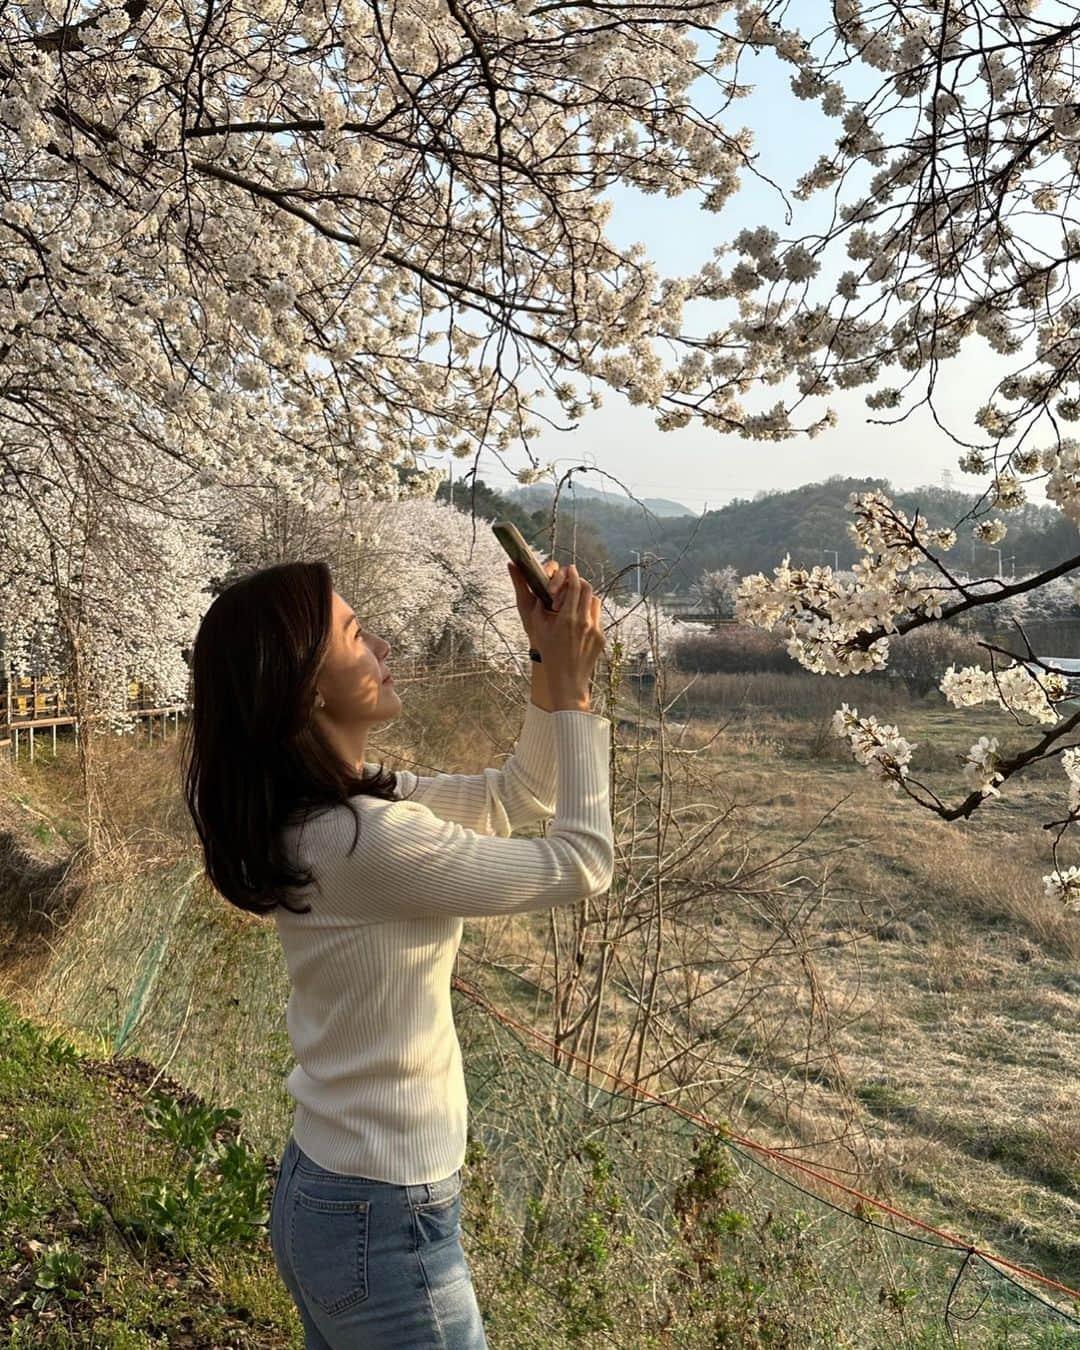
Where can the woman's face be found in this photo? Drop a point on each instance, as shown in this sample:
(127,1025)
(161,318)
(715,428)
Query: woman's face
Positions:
(352,680)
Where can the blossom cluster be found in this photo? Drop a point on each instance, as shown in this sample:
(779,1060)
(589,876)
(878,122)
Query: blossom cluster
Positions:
(981,766)
(878,746)
(1063,886)
(826,618)
(1016,689)
(1070,762)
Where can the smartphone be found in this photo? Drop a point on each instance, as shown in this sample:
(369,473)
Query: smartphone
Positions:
(513,541)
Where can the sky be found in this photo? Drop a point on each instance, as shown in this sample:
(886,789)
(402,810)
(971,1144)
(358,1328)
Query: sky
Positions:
(704,469)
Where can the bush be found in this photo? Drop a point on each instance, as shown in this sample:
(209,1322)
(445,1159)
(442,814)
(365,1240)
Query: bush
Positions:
(921,656)
(732,650)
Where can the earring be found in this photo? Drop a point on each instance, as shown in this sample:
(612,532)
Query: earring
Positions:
(320,702)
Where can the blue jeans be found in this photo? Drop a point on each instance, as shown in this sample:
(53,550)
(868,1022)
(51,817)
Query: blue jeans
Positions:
(371,1265)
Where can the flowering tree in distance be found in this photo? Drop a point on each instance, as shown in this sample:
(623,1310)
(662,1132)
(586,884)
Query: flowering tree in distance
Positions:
(715,591)
(227,232)
(99,589)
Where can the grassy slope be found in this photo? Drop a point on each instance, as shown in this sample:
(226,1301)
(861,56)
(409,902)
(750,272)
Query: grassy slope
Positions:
(87,1258)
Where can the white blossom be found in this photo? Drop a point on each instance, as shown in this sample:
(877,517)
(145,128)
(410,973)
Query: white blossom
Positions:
(876,745)
(1063,886)
(990,531)
(981,766)
(1015,689)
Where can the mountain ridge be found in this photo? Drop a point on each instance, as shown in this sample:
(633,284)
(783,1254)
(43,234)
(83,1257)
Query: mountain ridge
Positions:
(535,495)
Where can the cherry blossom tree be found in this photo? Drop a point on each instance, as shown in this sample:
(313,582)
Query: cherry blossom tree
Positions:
(421,572)
(104,590)
(1055,599)
(643,631)
(233,229)
(967,229)
(715,591)
(226,235)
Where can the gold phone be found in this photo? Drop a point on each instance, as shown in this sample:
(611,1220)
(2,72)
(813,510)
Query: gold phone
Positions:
(513,541)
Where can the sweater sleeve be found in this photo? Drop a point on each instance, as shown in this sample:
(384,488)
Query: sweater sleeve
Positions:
(498,800)
(410,863)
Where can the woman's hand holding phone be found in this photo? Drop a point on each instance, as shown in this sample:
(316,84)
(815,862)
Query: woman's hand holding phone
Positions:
(569,636)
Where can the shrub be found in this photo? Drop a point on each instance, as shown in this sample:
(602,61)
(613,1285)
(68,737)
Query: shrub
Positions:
(731,650)
(921,656)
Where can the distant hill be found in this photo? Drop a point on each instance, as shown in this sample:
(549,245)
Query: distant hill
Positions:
(808,522)
(537,495)
(811,522)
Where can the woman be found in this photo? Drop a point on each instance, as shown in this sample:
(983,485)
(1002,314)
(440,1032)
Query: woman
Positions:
(286,684)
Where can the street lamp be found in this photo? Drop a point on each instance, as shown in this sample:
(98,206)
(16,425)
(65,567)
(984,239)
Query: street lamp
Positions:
(998,552)
(836,557)
(639,557)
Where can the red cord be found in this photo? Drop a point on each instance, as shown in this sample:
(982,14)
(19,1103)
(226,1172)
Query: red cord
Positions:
(797,1163)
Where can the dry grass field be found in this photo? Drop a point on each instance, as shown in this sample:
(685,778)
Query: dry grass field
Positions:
(887,994)
(951,984)
(919,1032)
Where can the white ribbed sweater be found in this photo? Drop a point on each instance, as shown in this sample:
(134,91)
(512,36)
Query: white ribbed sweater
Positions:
(378,1082)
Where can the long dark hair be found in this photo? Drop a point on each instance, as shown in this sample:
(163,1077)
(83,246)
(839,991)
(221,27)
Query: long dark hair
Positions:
(252,758)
